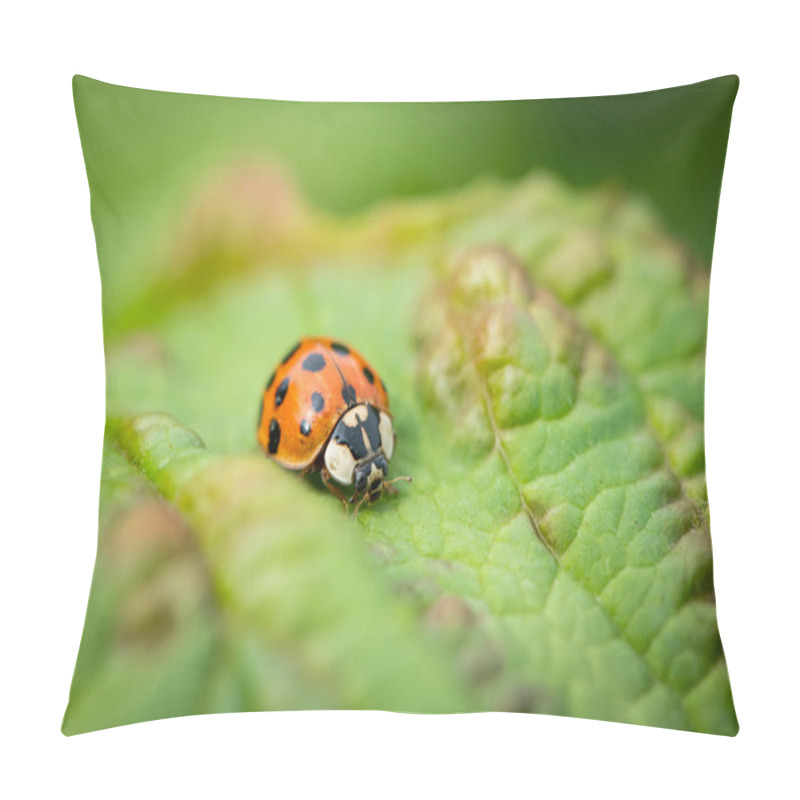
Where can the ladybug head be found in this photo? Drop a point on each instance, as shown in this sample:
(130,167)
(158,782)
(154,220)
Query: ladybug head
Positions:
(369,477)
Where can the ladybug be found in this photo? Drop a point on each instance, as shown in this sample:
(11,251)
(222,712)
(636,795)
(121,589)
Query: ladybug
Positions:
(326,410)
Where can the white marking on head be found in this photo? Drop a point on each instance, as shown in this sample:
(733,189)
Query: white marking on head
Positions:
(387,435)
(339,462)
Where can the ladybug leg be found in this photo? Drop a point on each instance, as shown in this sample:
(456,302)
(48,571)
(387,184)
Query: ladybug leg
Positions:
(360,503)
(326,479)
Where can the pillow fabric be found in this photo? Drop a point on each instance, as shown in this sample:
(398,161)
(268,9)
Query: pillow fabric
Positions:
(513,298)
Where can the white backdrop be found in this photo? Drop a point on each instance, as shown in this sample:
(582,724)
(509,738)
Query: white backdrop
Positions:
(52,397)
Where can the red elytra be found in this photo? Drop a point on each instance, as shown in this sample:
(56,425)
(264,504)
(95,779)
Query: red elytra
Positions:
(326,408)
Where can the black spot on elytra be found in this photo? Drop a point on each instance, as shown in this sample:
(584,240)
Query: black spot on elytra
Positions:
(270,382)
(341,349)
(368,375)
(317,402)
(291,353)
(349,395)
(313,362)
(280,392)
(274,436)
(305,427)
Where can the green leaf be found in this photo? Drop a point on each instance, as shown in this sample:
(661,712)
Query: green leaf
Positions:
(544,354)
(255,597)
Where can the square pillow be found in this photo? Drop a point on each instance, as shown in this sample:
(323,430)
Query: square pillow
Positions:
(506,302)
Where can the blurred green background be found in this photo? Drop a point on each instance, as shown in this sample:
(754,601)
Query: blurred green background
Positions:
(145,149)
